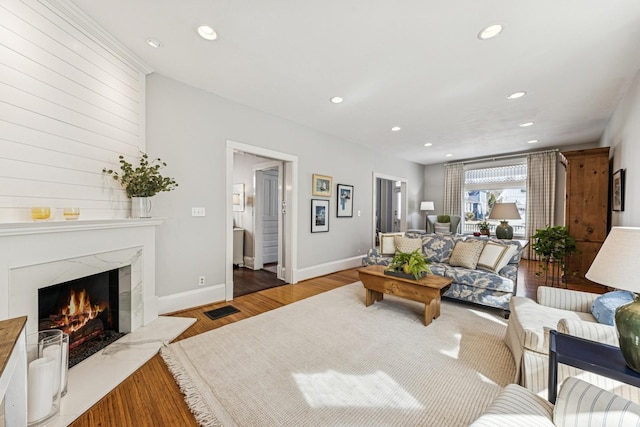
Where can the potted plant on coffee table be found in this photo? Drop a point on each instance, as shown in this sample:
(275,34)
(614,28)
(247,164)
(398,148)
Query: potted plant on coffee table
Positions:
(408,265)
(141,182)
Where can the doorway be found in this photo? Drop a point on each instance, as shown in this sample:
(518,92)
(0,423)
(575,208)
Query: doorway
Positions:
(389,204)
(269,220)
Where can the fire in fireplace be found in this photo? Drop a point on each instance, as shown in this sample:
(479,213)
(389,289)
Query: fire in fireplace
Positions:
(86,309)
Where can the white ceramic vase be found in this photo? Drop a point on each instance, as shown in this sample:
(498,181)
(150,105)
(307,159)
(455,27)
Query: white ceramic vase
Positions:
(140,207)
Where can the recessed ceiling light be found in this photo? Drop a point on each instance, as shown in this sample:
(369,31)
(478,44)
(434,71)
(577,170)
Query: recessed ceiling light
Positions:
(336,100)
(448,155)
(532,141)
(395,128)
(154,43)
(490,31)
(207,33)
(526,125)
(516,95)
(428,144)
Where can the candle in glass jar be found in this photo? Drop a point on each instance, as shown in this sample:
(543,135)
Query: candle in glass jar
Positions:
(40,213)
(71,213)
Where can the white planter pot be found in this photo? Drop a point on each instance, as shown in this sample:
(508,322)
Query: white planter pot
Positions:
(140,207)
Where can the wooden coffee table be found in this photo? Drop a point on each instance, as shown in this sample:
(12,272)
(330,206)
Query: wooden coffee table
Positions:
(426,290)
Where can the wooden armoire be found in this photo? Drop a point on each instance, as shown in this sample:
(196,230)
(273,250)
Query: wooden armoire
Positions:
(587,207)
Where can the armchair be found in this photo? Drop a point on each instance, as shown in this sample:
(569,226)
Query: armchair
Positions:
(569,312)
(579,403)
(453,225)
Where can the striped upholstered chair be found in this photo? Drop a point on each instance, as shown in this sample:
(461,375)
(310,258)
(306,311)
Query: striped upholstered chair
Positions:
(568,312)
(579,404)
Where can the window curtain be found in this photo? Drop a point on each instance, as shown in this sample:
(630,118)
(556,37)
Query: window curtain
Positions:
(541,195)
(453,189)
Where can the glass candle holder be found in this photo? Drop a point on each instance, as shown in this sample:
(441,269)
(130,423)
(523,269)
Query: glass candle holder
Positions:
(40,213)
(71,213)
(44,359)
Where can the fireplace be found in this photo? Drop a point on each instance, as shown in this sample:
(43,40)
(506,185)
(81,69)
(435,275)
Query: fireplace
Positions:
(87,309)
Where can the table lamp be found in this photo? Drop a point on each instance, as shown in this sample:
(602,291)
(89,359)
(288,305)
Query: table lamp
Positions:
(617,265)
(427,206)
(503,212)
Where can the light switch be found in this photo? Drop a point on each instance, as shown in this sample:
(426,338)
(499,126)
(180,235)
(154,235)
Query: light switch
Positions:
(197,212)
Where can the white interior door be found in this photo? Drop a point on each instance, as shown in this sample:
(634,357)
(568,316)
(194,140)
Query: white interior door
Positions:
(270,212)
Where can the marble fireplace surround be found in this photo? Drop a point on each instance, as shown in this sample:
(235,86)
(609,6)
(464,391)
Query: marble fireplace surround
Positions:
(40,254)
(37,255)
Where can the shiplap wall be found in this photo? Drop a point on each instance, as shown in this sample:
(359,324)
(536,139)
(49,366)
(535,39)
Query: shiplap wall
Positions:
(71,101)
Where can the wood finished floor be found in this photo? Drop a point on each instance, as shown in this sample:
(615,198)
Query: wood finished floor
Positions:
(150,397)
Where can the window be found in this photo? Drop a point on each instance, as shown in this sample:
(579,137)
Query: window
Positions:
(483,187)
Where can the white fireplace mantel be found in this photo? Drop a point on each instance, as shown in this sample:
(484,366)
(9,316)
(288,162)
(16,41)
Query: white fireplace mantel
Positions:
(38,254)
(41,227)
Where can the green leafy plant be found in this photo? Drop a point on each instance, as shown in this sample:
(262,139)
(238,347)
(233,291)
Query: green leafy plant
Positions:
(443,218)
(413,263)
(553,245)
(145,179)
(484,226)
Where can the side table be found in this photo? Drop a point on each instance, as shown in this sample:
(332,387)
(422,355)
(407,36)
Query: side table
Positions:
(592,356)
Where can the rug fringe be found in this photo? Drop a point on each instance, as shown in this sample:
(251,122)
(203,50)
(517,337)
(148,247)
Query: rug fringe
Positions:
(194,400)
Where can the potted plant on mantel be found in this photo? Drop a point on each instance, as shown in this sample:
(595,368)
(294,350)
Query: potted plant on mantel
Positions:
(554,245)
(142,182)
(408,264)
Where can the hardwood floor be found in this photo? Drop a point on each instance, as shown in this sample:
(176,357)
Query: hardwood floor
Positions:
(247,281)
(150,397)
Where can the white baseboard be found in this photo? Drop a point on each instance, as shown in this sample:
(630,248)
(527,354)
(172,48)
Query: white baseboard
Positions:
(189,299)
(327,268)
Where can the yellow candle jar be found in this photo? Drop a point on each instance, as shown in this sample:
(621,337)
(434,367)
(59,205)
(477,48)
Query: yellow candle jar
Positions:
(40,213)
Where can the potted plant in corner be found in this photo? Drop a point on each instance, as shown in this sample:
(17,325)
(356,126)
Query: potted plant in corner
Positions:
(142,182)
(553,245)
(409,264)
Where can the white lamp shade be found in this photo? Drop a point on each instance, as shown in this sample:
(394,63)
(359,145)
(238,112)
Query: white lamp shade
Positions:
(427,206)
(504,211)
(617,264)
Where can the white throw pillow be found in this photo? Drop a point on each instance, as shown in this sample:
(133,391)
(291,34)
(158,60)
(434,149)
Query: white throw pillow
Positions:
(495,256)
(406,244)
(387,245)
(442,227)
(466,254)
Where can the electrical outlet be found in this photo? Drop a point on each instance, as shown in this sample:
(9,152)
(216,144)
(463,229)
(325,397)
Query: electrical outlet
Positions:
(201,281)
(197,212)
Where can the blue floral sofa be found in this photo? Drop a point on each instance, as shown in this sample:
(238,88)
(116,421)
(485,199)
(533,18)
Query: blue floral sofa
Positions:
(477,286)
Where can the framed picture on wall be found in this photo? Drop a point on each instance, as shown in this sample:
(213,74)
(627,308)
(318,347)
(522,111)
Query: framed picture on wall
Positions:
(238,197)
(319,215)
(322,185)
(617,201)
(345,201)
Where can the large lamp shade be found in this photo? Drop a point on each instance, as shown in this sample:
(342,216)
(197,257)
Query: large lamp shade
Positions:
(617,265)
(503,212)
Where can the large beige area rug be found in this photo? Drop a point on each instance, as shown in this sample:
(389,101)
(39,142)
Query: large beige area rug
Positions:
(329,360)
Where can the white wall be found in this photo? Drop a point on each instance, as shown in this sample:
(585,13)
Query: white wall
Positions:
(71,101)
(189,128)
(622,134)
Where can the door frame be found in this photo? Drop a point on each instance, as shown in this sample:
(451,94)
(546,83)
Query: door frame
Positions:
(405,202)
(257,223)
(290,222)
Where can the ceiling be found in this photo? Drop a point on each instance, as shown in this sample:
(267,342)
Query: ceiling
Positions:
(417,64)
